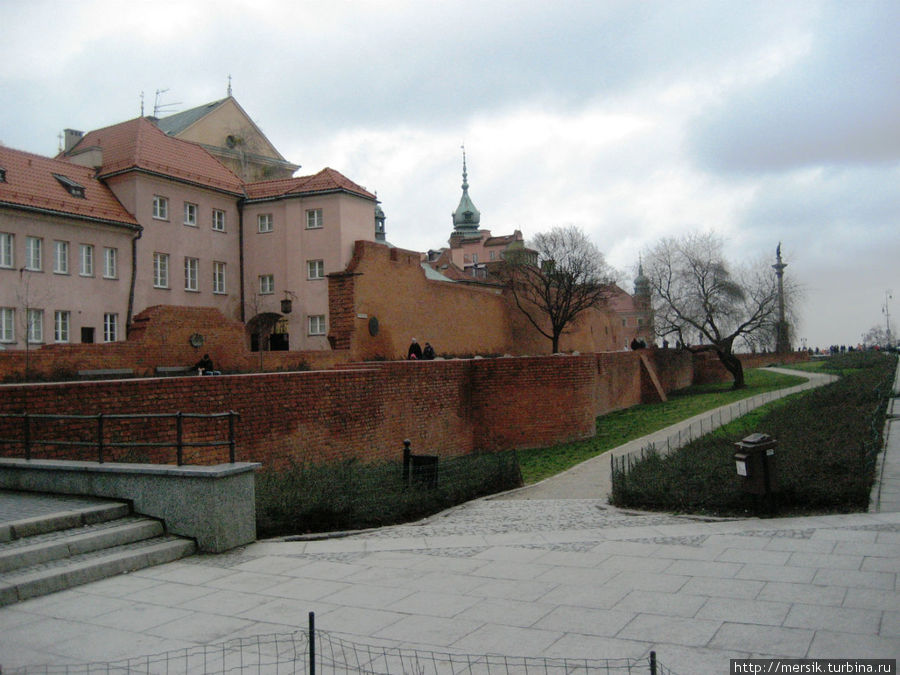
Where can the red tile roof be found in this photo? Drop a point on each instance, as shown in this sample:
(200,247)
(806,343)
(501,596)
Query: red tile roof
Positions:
(30,182)
(327,180)
(139,144)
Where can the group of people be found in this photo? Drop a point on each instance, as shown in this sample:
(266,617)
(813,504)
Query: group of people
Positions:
(417,353)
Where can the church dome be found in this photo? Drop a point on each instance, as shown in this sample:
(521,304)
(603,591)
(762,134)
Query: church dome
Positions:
(466,218)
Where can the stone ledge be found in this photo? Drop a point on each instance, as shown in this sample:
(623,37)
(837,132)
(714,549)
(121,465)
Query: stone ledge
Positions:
(216,505)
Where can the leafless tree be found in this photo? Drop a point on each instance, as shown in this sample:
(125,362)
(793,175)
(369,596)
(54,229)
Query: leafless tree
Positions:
(558,276)
(708,304)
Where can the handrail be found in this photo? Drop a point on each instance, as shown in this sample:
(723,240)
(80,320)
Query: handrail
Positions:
(101,442)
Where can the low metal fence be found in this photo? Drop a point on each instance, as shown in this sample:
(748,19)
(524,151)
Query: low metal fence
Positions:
(320,652)
(101,440)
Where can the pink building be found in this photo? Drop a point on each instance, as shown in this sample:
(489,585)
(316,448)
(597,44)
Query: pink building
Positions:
(129,217)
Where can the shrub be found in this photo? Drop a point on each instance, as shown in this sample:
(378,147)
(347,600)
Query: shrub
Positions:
(828,440)
(352,495)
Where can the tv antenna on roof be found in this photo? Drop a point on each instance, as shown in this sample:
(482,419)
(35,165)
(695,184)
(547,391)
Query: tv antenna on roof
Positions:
(159,107)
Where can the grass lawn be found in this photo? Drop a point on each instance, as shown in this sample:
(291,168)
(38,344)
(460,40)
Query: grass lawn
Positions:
(622,426)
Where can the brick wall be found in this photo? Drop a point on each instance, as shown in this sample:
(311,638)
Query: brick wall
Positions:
(389,284)
(445,407)
(160,336)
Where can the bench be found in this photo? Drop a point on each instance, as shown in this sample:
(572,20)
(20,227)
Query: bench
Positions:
(176,370)
(106,372)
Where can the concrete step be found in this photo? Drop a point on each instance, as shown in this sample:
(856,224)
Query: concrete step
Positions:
(60,574)
(42,548)
(62,519)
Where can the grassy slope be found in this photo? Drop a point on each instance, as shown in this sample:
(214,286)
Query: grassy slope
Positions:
(622,426)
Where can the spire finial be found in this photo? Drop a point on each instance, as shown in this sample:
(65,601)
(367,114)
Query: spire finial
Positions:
(465,183)
(229,85)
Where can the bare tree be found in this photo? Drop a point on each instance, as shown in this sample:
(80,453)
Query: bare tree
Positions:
(560,274)
(698,296)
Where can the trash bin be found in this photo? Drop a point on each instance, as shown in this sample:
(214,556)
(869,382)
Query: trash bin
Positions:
(754,461)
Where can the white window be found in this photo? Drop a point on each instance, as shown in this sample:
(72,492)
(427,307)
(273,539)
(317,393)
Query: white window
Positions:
(33,253)
(264,222)
(7,259)
(191,267)
(218,220)
(160,207)
(35,320)
(313,219)
(110,327)
(219,277)
(7,324)
(160,270)
(61,326)
(61,257)
(110,263)
(317,324)
(266,284)
(87,260)
(315,269)
(190,214)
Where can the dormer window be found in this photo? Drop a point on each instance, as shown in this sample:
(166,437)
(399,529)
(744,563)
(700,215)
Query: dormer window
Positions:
(73,188)
(2,175)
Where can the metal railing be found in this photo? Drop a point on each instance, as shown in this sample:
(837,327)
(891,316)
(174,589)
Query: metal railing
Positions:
(102,442)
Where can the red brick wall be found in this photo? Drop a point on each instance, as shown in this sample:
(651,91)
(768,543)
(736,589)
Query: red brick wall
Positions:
(445,407)
(160,336)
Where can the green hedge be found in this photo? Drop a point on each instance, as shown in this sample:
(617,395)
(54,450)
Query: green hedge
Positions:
(828,441)
(353,495)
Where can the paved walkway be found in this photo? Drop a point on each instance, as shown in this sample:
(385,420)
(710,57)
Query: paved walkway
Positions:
(527,576)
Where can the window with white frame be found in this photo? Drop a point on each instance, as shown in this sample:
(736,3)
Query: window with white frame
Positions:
(264,222)
(160,270)
(61,320)
(266,284)
(110,263)
(315,269)
(218,220)
(34,319)
(61,257)
(7,257)
(87,260)
(313,219)
(160,207)
(190,214)
(110,327)
(33,253)
(7,324)
(191,268)
(317,324)
(219,277)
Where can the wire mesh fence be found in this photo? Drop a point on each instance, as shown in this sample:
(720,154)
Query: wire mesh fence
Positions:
(281,654)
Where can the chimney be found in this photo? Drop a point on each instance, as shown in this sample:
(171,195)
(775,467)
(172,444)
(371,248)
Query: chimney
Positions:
(71,138)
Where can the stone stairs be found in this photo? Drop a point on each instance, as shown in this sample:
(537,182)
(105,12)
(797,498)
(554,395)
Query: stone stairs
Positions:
(58,550)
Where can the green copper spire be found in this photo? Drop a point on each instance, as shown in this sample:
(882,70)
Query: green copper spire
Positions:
(466,217)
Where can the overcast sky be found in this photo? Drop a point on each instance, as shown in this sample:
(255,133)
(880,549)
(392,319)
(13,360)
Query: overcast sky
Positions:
(762,121)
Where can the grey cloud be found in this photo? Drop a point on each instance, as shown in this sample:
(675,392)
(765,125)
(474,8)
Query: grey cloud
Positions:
(839,106)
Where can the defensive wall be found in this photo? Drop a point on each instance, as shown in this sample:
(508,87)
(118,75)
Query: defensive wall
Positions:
(161,337)
(384,298)
(448,407)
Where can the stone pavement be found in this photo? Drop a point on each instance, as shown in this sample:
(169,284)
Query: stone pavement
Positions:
(525,577)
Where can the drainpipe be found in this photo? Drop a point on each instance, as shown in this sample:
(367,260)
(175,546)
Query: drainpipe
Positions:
(240,207)
(134,241)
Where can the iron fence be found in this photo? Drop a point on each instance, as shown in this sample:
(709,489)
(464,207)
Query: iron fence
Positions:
(101,439)
(312,651)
